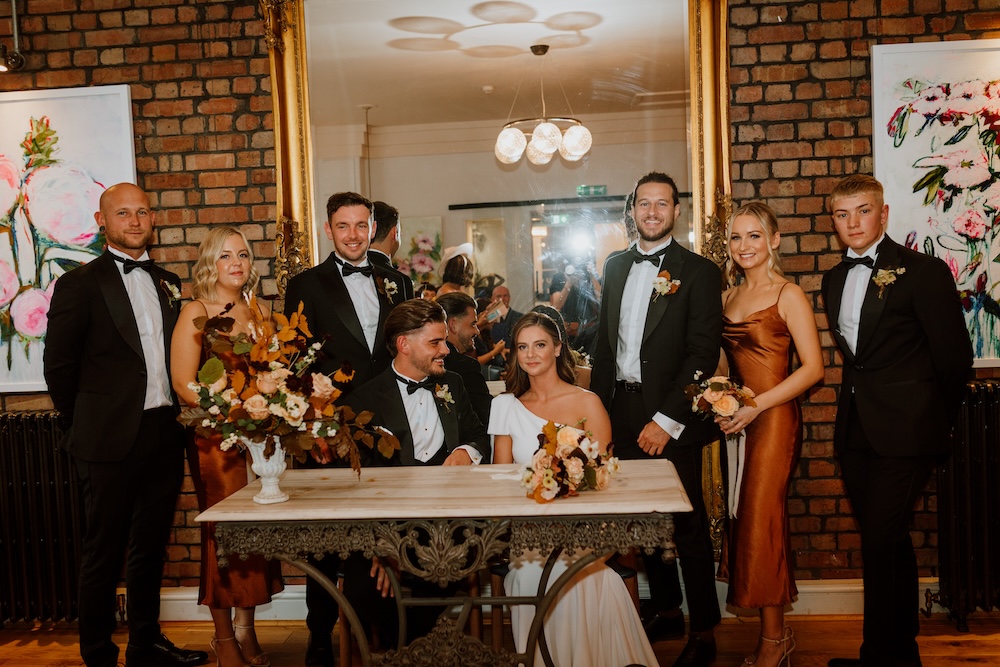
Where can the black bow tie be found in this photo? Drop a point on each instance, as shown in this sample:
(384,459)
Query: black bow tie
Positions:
(642,257)
(350,269)
(427,383)
(854,261)
(131,264)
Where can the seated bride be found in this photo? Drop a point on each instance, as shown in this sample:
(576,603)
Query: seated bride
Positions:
(593,622)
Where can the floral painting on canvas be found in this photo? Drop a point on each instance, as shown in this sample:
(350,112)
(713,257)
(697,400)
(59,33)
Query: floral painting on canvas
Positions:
(936,127)
(59,150)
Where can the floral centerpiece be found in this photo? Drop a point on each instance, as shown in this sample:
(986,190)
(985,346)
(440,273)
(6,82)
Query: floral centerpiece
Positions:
(259,388)
(566,463)
(718,395)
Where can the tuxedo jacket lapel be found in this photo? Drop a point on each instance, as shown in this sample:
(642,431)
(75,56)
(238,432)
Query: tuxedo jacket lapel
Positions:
(340,299)
(614,290)
(673,261)
(394,416)
(448,414)
(874,304)
(835,297)
(116,298)
(385,301)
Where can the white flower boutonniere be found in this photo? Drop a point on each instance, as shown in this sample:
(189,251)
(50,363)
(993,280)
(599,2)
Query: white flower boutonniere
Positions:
(391,288)
(173,294)
(885,277)
(663,285)
(443,394)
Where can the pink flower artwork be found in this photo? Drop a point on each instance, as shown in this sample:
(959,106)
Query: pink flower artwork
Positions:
(971,225)
(30,313)
(60,200)
(10,184)
(9,284)
(421,263)
(424,242)
(966,167)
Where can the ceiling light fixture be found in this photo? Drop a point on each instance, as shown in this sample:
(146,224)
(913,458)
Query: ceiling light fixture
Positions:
(541,138)
(13,60)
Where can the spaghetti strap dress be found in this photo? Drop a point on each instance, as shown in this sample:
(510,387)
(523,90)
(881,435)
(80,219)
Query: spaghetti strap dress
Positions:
(757,558)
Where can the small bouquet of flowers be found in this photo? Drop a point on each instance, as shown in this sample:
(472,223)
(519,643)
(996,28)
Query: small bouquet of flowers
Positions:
(566,463)
(718,395)
(260,384)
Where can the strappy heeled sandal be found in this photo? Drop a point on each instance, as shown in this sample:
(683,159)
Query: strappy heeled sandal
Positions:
(787,637)
(262,659)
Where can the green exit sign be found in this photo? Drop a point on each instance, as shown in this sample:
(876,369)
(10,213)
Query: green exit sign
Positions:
(591,190)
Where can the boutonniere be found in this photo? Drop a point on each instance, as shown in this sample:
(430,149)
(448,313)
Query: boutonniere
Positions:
(443,394)
(663,285)
(885,277)
(388,288)
(173,294)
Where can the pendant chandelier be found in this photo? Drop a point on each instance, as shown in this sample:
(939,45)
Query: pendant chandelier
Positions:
(541,138)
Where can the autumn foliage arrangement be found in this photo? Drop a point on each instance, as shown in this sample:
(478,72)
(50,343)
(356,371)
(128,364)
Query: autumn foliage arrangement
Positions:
(260,384)
(566,463)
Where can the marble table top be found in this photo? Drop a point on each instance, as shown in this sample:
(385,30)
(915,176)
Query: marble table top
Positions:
(439,492)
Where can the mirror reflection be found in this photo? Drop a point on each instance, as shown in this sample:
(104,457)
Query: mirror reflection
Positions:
(407,108)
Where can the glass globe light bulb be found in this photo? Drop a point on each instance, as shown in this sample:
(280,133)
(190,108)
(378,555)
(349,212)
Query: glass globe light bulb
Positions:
(577,140)
(537,155)
(567,155)
(510,144)
(546,137)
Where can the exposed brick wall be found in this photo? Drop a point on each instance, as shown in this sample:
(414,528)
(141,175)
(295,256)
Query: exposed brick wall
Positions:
(201,106)
(801,119)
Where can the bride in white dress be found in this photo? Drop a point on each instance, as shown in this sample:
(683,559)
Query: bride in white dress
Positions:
(593,622)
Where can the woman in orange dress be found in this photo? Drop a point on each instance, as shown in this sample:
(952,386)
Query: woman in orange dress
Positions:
(764,316)
(224,277)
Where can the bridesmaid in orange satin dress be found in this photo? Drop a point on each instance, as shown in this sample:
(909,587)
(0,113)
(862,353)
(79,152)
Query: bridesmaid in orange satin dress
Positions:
(223,275)
(764,316)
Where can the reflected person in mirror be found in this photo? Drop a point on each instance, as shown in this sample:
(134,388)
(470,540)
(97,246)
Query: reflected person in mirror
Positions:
(462,331)
(650,346)
(346,300)
(385,243)
(106,364)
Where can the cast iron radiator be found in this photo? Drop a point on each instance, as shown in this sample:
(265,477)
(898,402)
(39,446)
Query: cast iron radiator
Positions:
(42,521)
(968,508)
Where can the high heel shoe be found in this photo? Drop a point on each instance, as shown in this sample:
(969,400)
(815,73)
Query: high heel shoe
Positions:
(262,659)
(215,644)
(787,643)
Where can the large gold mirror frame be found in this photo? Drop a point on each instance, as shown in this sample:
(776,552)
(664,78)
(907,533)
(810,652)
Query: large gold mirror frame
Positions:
(709,145)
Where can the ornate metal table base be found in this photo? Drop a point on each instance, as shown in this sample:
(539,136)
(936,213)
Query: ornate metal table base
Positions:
(445,551)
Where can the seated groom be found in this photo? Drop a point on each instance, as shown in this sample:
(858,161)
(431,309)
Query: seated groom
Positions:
(428,409)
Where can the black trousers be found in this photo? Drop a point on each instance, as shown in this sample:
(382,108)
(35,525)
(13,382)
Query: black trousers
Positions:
(691,529)
(128,507)
(883,490)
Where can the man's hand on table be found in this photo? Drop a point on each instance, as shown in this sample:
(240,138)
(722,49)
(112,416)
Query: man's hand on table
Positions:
(459,457)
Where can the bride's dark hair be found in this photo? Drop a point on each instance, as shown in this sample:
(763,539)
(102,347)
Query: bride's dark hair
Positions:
(517,380)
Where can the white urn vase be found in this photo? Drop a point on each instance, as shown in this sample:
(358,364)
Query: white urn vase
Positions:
(269,470)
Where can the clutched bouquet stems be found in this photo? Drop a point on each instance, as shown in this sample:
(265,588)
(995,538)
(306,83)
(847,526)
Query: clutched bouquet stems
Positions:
(258,391)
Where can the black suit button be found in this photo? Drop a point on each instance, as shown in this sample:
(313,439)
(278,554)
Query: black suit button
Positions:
(859,367)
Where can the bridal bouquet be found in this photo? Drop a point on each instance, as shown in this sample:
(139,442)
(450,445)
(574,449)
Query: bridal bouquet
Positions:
(261,384)
(566,463)
(718,395)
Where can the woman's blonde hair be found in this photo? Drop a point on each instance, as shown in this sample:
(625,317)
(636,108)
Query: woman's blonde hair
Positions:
(206,275)
(769,222)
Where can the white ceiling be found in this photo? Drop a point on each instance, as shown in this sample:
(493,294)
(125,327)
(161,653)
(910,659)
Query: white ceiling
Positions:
(428,61)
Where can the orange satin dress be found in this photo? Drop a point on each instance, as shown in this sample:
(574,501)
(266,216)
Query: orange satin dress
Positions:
(243,583)
(757,558)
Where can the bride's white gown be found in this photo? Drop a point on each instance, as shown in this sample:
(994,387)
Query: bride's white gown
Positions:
(593,623)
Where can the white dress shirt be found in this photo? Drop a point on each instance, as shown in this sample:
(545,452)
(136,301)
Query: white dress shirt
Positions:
(145,301)
(855,287)
(363,295)
(422,415)
(636,298)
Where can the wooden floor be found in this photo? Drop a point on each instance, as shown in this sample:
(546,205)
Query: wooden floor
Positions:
(818,639)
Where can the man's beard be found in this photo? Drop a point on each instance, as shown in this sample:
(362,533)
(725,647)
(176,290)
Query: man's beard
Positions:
(652,239)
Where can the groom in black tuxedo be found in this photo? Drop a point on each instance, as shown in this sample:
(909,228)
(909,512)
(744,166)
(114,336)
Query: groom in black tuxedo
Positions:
(650,346)
(346,300)
(428,409)
(385,243)
(897,319)
(106,359)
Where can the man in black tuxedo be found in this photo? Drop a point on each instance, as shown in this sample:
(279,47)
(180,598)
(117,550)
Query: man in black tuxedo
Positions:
(428,409)
(897,319)
(647,351)
(385,243)
(460,309)
(346,300)
(106,360)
